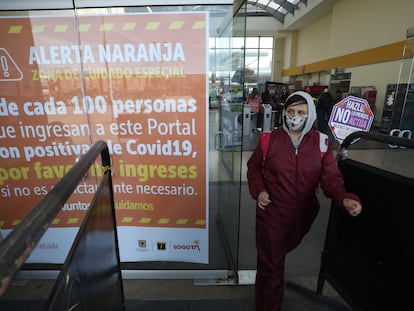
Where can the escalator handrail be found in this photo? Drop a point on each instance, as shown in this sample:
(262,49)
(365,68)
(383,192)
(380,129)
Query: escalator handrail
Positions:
(20,242)
(382,138)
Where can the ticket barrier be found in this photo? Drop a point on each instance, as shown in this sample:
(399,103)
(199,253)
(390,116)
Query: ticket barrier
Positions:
(267,118)
(247,116)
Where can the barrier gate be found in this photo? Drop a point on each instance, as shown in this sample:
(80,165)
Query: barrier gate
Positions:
(369,259)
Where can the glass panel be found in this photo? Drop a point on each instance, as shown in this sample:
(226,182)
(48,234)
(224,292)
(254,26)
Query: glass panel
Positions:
(212,43)
(237,43)
(259,55)
(252,42)
(266,42)
(223,43)
(263,2)
(392,158)
(251,67)
(111,98)
(389,157)
(273,5)
(39,85)
(265,65)
(405,90)
(231,135)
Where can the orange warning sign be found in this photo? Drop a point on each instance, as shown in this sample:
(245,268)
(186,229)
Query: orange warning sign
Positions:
(137,82)
(9,71)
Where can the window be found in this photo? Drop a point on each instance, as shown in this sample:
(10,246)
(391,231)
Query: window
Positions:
(259,59)
(226,58)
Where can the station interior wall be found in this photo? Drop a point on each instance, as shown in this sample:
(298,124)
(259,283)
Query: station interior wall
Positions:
(351,26)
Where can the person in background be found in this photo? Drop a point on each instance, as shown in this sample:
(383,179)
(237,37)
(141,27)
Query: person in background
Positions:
(324,106)
(338,96)
(255,102)
(271,97)
(298,160)
(284,95)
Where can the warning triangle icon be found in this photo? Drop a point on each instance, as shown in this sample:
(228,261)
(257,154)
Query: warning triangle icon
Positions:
(9,71)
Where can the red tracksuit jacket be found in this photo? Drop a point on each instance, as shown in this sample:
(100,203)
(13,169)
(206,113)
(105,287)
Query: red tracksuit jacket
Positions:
(292,178)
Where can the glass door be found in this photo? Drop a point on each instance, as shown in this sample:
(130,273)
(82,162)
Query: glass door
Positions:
(162,85)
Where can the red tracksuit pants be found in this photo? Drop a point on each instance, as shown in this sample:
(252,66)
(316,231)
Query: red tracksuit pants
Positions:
(274,239)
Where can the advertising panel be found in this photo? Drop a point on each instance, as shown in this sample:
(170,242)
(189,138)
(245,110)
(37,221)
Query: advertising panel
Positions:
(136,81)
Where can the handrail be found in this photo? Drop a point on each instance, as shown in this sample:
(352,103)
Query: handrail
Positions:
(18,245)
(386,139)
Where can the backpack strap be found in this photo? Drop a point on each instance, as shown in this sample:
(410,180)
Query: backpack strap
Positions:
(323,143)
(264,140)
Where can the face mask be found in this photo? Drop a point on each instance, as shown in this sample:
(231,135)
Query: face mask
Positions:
(295,123)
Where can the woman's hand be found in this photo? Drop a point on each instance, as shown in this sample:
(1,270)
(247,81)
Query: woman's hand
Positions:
(263,199)
(353,207)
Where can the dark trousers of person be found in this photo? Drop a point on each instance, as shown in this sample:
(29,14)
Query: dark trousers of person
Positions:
(270,282)
(322,120)
(277,118)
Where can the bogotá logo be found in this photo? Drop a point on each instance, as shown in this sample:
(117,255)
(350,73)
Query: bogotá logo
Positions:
(161,246)
(9,71)
(188,247)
